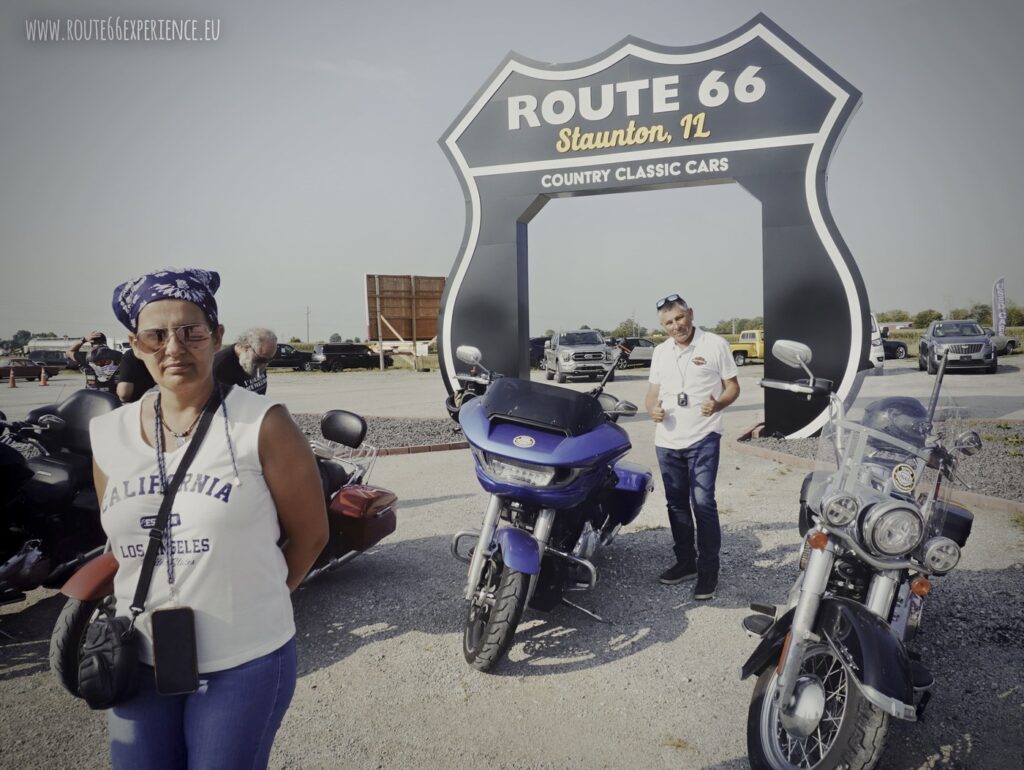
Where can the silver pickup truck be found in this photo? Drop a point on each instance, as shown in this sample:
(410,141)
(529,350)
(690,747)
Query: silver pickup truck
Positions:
(577,353)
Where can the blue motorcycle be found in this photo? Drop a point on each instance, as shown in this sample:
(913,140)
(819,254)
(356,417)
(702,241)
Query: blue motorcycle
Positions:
(551,460)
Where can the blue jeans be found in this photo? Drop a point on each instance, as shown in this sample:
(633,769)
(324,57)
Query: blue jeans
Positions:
(689,478)
(230,722)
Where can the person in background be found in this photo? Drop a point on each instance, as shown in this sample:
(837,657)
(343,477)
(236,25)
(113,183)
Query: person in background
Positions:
(245,362)
(693,378)
(100,365)
(133,378)
(253,483)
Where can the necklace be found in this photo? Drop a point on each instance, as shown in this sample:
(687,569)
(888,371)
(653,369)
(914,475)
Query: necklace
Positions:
(179,438)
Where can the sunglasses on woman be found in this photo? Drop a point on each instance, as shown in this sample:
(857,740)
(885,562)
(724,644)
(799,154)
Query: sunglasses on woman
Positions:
(189,335)
(670,298)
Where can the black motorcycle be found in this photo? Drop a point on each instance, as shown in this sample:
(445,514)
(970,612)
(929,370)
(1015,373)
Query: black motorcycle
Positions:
(51,522)
(833,664)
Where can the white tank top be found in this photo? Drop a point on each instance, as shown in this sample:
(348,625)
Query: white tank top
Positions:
(227,566)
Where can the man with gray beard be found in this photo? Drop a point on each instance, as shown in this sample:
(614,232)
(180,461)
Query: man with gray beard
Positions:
(245,362)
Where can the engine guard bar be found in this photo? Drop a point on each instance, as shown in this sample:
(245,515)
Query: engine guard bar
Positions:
(458,537)
(870,654)
(473,534)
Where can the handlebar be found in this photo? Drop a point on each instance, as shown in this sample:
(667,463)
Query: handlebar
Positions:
(815,387)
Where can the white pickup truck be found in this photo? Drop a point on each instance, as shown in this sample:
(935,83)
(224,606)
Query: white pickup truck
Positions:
(577,353)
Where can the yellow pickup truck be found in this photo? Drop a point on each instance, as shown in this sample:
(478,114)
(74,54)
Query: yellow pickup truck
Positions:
(750,346)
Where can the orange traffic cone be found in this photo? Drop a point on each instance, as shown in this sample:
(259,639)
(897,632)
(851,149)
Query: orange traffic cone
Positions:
(10,382)
(44,378)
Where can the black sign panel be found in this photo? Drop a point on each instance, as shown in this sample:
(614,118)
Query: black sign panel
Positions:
(754,107)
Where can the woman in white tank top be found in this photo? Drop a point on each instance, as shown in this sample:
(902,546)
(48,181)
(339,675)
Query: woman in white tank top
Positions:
(252,482)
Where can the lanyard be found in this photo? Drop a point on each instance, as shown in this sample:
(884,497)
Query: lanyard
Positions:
(682,371)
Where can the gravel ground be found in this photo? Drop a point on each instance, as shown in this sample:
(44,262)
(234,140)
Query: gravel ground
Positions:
(388,432)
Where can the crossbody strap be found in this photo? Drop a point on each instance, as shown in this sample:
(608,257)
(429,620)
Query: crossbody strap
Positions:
(156,534)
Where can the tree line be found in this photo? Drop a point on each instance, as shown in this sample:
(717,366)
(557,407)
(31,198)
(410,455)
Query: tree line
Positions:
(980,312)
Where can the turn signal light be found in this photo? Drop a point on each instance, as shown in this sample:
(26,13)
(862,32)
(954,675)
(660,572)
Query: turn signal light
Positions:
(818,540)
(920,586)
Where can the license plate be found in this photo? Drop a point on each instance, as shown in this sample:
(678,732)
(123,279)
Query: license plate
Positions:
(965,358)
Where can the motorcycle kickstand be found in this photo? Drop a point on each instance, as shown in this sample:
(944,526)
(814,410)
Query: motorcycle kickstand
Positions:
(585,611)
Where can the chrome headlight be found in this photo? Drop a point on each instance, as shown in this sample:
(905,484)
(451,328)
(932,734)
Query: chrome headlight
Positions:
(839,510)
(516,471)
(940,349)
(941,554)
(893,528)
(566,355)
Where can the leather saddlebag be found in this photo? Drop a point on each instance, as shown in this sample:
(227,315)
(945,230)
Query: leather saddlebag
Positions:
(363,515)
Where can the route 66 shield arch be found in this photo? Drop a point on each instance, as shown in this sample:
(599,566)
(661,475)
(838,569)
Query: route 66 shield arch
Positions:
(754,107)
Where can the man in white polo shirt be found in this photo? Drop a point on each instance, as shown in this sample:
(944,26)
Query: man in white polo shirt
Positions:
(693,378)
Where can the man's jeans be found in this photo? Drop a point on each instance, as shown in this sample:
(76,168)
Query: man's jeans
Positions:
(689,478)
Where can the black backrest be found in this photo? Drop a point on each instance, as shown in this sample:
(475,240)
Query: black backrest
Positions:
(343,427)
(77,412)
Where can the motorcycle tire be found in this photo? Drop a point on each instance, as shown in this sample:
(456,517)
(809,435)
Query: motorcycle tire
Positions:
(856,744)
(490,627)
(68,635)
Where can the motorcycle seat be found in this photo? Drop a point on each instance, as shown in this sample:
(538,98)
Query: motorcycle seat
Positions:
(333,476)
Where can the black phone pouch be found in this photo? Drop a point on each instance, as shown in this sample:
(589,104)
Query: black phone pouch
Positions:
(174,651)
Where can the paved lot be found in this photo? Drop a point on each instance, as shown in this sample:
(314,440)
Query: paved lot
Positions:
(383,683)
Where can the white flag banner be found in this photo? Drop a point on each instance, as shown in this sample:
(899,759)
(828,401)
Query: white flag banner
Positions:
(999,306)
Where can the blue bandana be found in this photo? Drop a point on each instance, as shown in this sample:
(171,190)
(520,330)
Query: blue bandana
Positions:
(190,284)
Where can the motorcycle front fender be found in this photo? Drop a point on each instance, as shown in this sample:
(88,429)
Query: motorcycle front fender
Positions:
(94,580)
(518,550)
(871,654)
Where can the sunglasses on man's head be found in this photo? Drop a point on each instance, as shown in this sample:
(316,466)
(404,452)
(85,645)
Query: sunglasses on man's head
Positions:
(190,335)
(669,299)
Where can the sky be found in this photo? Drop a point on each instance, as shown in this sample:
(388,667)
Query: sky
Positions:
(299,152)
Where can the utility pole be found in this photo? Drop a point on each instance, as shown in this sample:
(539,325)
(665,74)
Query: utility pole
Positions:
(307,323)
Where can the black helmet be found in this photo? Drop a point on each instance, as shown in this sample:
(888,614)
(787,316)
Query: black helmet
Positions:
(901,417)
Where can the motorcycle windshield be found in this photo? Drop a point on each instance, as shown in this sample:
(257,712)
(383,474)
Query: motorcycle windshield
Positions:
(893,453)
(543,406)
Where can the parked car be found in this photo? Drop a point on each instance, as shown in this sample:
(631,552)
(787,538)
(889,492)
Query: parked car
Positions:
(892,348)
(577,353)
(49,357)
(749,346)
(334,357)
(26,369)
(537,352)
(1003,343)
(636,351)
(287,355)
(877,350)
(963,342)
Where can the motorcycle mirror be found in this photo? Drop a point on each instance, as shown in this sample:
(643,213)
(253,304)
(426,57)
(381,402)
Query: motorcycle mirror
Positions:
(468,354)
(968,442)
(792,353)
(626,409)
(52,422)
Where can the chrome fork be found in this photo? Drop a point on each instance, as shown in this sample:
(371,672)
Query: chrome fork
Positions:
(819,565)
(541,533)
(483,545)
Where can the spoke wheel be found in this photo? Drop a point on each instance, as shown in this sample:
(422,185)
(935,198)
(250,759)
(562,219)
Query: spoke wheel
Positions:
(493,614)
(843,730)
